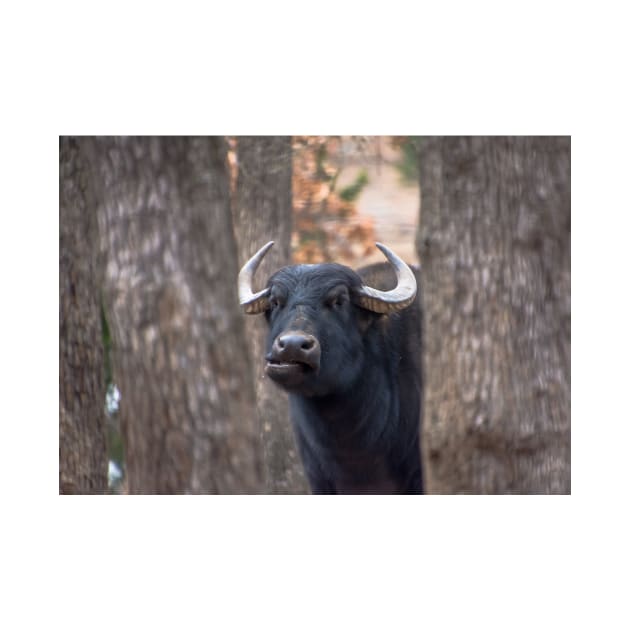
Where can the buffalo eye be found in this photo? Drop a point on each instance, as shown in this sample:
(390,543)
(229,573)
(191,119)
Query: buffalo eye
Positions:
(276,302)
(337,298)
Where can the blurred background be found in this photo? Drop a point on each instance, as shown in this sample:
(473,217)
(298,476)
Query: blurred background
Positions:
(161,381)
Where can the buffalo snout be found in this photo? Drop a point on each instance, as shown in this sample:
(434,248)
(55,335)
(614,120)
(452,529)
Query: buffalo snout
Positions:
(297,347)
(293,355)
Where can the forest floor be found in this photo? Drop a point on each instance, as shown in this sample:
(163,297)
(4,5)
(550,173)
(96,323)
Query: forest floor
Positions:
(392,205)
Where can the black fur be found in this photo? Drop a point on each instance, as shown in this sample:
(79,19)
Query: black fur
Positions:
(357,417)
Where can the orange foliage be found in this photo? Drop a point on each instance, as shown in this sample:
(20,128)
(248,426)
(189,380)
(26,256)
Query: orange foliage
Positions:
(232,163)
(326,227)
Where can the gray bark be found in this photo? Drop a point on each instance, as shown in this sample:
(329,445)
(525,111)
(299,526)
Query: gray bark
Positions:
(495,249)
(179,354)
(82,444)
(263,211)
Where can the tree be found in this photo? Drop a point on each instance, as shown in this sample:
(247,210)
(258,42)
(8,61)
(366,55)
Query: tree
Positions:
(496,256)
(262,209)
(180,357)
(82,445)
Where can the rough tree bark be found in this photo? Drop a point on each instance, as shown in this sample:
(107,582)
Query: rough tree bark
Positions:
(179,352)
(262,210)
(82,444)
(496,255)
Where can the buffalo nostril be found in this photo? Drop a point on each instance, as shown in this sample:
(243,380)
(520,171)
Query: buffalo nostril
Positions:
(296,341)
(297,346)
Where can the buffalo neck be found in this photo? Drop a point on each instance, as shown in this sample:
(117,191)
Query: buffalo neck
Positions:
(359,415)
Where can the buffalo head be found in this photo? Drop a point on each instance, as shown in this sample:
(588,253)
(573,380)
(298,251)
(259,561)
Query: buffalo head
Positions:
(318,316)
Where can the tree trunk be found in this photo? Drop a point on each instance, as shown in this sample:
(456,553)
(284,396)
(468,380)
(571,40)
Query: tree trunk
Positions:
(263,213)
(180,357)
(82,444)
(496,254)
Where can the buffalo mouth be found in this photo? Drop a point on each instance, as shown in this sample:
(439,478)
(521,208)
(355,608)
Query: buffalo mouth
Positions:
(287,373)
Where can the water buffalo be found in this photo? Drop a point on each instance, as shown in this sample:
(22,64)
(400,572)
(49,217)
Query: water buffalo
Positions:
(348,355)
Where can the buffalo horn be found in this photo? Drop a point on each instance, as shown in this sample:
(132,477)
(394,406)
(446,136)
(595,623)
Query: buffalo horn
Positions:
(251,302)
(396,299)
